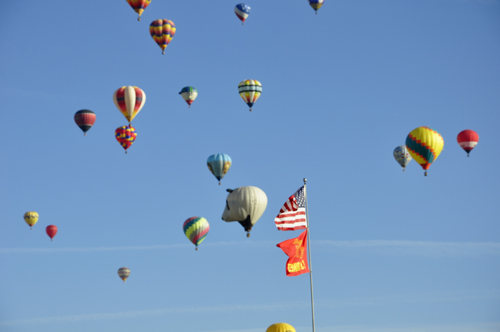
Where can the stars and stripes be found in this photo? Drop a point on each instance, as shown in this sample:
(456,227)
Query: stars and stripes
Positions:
(292,215)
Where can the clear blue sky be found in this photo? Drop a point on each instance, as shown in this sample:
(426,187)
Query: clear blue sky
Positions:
(391,250)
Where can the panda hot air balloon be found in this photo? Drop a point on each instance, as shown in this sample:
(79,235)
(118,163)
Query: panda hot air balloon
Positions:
(245,205)
(424,144)
(196,229)
(219,165)
(468,140)
(250,91)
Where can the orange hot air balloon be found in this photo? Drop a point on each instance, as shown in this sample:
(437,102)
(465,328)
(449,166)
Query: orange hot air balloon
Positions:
(162,32)
(51,231)
(138,6)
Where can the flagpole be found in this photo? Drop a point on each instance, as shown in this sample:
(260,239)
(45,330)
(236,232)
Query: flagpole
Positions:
(309,249)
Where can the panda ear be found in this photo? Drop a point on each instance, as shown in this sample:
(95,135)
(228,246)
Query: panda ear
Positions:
(229,190)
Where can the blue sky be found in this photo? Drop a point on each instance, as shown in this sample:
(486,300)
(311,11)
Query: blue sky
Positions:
(391,250)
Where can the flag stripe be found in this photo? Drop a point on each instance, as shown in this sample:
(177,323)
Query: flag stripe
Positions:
(292,215)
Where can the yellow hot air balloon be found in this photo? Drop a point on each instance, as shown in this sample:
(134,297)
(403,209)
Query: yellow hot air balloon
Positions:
(280,327)
(424,144)
(31,217)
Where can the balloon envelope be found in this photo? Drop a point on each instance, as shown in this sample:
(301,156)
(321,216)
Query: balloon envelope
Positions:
(85,119)
(51,231)
(196,229)
(125,135)
(250,91)
(124,273)
(402,155)
(245,205)
(31,217)
(316,4)
(138,6)
(280,327)
(162,32)
(129,100)
(189,94)
(424,144)
(242,11)
(468,140)
(219,164)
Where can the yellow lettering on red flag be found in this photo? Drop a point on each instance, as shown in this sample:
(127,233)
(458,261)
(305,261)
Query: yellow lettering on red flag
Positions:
(296,251)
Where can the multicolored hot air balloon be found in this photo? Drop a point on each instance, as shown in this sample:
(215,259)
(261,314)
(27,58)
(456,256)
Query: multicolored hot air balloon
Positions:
(316,4)
(124,273)
(51,231)
(189,94)
(85,119)
(162,32)
(280,327)
(196,229)
(402,156)
(242,11)
(138,6)
(245,205)
(125,135)
(219,164)
(129,100)
(468,140)
(31,217)
(424,144)
(250,91)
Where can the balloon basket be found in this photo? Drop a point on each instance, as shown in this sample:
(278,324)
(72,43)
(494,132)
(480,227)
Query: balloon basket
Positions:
(248,234)
(196,249)
(425,173)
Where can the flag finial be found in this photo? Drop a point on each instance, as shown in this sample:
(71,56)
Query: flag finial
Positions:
(305,180)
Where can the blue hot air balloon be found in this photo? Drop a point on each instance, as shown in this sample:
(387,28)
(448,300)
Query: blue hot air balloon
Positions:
(242,11)
(219,164)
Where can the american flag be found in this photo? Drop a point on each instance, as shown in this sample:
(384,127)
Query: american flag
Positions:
(292,215)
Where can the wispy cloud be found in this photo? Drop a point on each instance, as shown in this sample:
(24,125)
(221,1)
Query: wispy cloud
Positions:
(468,295)
(395,247)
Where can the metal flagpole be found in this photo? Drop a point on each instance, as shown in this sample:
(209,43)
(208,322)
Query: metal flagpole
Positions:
(309,248)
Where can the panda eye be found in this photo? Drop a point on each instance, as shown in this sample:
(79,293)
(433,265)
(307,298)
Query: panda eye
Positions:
(227,205)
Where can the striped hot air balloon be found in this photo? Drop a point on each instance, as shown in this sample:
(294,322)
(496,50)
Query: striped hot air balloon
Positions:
(316,4)
(219,164)
(242,11)
(189,94)
(85,119)
(31,217)
(424,144)
(129,100)
(138,6)
(250,91)
(196,229)
(402,156)
(468,140)
(124,273)
(125,135)
(162,32)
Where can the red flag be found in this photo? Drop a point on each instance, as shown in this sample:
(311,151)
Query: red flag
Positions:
(297,252)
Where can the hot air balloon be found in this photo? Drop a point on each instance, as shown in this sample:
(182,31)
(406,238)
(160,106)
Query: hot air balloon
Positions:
(245,205)
(242,11)
(125,135)
(219,164)
(51,231)
(402,156)
(31,217)
(138,6)
(316,4)
(424,144)
(280,327)
(85,119)
(124,273)
(196,229)
(162,32)
(189,94)
(129,100)
(250,91)
(468,140)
